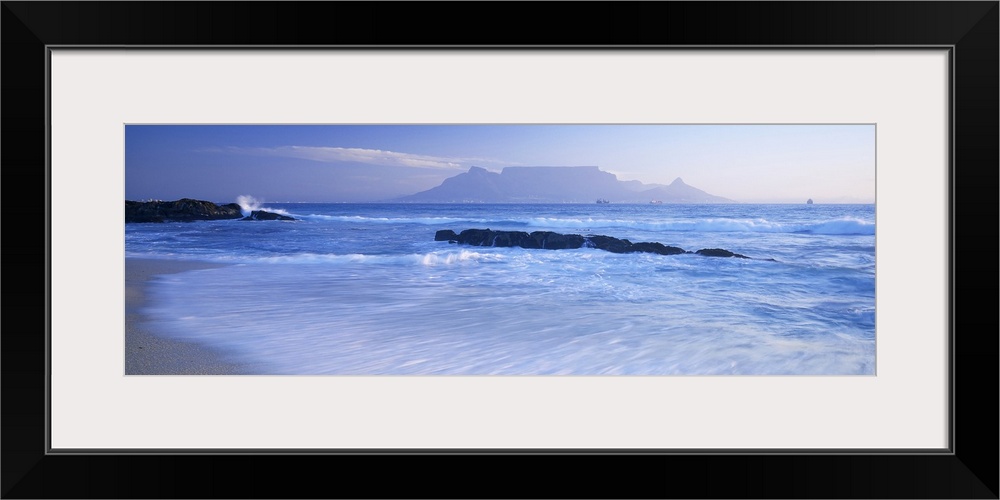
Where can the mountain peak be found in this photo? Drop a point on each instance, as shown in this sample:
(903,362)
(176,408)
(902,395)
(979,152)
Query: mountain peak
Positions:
(580,184)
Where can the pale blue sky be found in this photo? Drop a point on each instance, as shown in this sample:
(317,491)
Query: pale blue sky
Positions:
(746,163)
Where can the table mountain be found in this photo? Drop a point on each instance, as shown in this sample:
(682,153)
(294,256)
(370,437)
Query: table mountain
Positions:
(555,185)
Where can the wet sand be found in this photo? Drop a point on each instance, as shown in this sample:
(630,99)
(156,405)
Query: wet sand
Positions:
(149,354)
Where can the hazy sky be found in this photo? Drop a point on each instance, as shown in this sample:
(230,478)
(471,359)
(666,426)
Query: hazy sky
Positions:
(277,163)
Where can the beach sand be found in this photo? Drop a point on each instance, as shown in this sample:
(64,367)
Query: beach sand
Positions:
(146,353)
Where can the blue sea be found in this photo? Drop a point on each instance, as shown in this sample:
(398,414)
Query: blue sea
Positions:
(363,289)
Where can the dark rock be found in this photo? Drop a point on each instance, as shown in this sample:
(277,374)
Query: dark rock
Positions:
(445,235)
(535,239)
(476,237)
(183,210)
(613,245)
(555,241)
(542,239)
(659,248)
(262,215)
(718,252)
(508,238)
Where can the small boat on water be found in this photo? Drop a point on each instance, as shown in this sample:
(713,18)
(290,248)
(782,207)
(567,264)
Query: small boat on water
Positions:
(655,202)
(601,201)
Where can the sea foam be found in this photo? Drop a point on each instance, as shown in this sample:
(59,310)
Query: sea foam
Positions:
(364,289)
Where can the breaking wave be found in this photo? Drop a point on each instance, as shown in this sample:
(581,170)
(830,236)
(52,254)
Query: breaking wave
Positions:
(845,226)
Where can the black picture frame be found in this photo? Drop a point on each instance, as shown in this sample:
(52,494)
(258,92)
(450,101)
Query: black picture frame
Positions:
(968,470)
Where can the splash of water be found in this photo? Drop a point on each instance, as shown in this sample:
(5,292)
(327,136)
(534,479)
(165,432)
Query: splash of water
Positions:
(248,204)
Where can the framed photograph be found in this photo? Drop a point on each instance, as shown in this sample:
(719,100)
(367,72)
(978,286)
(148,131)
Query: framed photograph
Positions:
(729,252)
(386,260)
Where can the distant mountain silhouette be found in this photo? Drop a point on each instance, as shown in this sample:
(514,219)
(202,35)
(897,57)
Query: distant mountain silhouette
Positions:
(555,185)
(679,192)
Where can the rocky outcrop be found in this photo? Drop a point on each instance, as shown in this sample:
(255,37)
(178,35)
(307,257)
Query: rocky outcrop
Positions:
(262,215)
(554,241)
(187,210)
(183,210)
(718,252)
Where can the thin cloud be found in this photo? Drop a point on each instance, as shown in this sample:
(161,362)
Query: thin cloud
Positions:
(358,155)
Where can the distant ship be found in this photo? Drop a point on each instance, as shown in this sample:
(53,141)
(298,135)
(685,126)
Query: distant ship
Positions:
(655,202)
(602,201)
(809,201)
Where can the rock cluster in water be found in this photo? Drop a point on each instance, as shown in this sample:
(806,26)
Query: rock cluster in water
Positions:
(187,210)
(554,241)
(262,215)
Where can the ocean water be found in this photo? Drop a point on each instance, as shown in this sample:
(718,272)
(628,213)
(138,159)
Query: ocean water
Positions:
(363,289)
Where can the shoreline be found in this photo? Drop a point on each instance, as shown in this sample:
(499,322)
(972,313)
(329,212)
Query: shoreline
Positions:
(146,352)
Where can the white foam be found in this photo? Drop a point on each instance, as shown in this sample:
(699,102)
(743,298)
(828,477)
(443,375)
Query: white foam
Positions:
(248,204)
(846,226)
(367,290)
